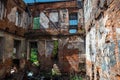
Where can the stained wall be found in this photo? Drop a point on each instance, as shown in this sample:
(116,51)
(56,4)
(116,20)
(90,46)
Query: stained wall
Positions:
(102,22)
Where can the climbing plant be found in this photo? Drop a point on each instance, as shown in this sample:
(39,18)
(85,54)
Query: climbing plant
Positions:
(55,49)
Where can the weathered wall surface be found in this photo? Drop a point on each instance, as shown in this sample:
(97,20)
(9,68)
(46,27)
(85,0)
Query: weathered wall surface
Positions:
(14,18)
(7,55)
(55,22)
(55,19)
(102,22)
(11,28)
(57,5)
(71,53)
(45,49)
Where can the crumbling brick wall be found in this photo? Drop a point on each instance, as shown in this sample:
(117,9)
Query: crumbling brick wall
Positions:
(54,20)
(10,11)
(7,55)
(11,31)
(45,51)
(102,22)
(55,24)
(70,51)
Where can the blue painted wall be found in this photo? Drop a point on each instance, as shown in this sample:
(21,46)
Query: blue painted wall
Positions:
(73,22)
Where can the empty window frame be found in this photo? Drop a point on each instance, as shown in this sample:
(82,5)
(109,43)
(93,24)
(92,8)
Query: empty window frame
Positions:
(80,4)
(52,49)
(34,52)
(16,49)
(49,47)
(44,21)
(36,23)
(73,16)
(18,18)
(53,17)
(73,23)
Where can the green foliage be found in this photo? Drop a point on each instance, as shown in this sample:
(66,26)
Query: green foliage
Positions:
(76,77)
(55,72)
(55,50)
(34,57)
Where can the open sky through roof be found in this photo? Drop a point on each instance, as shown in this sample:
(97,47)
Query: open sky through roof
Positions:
(32,1)
(42,1)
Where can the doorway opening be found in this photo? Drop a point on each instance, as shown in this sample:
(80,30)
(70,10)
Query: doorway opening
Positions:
(17,49)
(16,54)
(34,53)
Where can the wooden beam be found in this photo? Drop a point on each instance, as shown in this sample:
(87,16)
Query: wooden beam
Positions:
(57,5)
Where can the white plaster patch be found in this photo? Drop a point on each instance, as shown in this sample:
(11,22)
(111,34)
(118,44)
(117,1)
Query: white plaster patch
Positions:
(88,47)
(87,10)
(105,19)
(12,15)
(118,30)
(93,39)
(53,16)
(64,18)
(44,20)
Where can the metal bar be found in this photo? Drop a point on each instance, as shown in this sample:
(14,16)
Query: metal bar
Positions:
(52,23)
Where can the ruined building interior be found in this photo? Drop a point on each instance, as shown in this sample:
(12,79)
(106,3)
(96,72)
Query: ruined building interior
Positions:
(59,39)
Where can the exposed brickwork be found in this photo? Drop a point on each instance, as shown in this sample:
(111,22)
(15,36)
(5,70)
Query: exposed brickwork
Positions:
(102,53)
(70,50)
(49,27)
(8,22)
(16,22)
(10,31)
(69,60)
(56,27)
(7,56)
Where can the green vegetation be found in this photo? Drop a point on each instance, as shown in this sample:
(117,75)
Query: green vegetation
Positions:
(55,72)
(34,56)
(76,77)
(55,50)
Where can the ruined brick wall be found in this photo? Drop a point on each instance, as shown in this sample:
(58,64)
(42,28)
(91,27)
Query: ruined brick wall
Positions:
(14,17)
(7,55)
(54,18)
(55,24)
(45,49)
(102,22)
(71,53)
(11,31)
